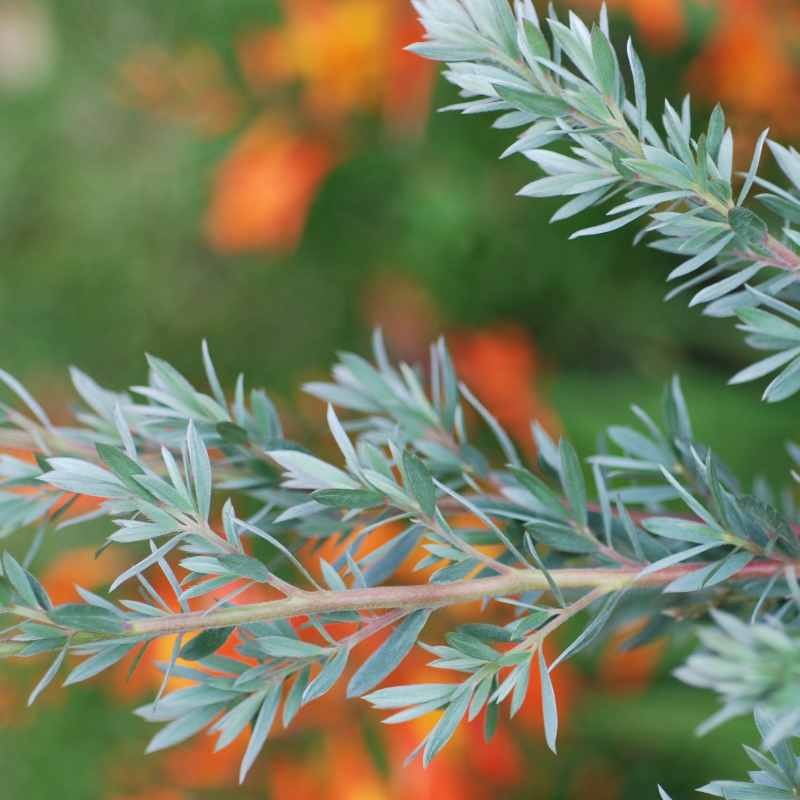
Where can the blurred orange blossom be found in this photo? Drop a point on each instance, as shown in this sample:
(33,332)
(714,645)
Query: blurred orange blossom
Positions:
(749,60)
(264,188)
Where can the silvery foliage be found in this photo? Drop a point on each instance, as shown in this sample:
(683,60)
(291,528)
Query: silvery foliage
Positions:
(671,533)
(211,499)
(565,85)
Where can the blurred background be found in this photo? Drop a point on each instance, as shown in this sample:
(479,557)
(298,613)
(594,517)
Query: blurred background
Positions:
(273,175)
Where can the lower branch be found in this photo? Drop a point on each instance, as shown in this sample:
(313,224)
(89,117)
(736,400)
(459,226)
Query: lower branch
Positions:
(410,598)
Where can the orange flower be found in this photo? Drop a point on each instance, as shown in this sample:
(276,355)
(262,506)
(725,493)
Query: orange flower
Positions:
(347,56)
(410,79)
(501,366)
(265,187)
(749,61)
(661,22)
(330,47)
(750,65)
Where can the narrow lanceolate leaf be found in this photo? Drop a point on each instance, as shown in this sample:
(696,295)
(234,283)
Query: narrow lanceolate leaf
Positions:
(388,656)
(606,61)
(750,229)
(592,630)
(235,721)
(294,699)
(766,366)
(549,708)
(420,483)
(330,673)
(446,726)
(677,558)
(573,481)
(48,677)
(245,567)
(540,491)
(18,578)
(200,466)
(560,537)
(343,441)
(683,530)
(540,104)
(348,498)
(695,505)
(20,391)
(286,647)
(232,434)
(184,727)
(261,729)
(205,644)
(88,618)
(639,87)
(123,466)
(98,663)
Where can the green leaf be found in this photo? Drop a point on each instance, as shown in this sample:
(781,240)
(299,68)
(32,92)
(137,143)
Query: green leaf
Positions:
(48,677)
(330,673)
(236,720)
(446,726)
(751,230)
(716,130)
(261,729)
(540,491)
(245,567)
(294,699)
(388,656)
(549,708)
(682,529)
(560,537)
(18,577)
(286,647)
(702,162)
(348,498)
(92,619)
(573,482)
(416,694)
(420,483)
(98,663)
(541,104)
(184,727)
(788,209)
(200,468)
(124,467)
(606,62)
(472,647)
(536,41)
(676,558)
(639,87)
(697,508)
(332,577)
(232,434)
(205,644)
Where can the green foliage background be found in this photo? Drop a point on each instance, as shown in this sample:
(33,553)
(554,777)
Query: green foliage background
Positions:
(100,209)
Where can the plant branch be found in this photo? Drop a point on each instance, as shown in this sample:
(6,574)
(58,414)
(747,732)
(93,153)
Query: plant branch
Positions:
(431,595)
